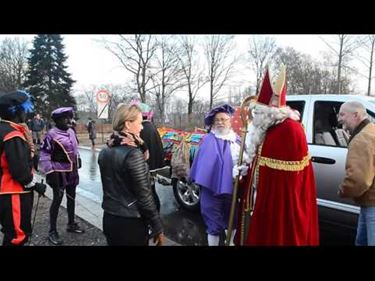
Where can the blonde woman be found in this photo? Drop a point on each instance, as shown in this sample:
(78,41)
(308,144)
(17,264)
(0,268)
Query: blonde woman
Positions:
(128,204)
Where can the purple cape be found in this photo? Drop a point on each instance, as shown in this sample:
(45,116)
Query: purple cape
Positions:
(212,166)
(67,141)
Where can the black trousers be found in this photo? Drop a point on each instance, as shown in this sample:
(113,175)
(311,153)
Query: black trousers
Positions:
(15,218)
(121,231)
(58,193)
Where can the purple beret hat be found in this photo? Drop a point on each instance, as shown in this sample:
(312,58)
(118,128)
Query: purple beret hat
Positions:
(226,108)
(62,111)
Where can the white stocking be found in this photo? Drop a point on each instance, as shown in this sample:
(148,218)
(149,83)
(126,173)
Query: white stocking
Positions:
(213,240)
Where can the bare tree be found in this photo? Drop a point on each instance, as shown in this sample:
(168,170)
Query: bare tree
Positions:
(306,76)
(177,113)
(119,93)
(343,46)
(167,76)
(218,50)
(135,54)
(367,59)
(193,73)
(13,63)
(237,94)
(85,101)
(200,111)
(261,51)
(293,61)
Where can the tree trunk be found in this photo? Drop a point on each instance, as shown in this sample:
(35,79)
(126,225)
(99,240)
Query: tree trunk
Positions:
(211,93)
(339,65)
(370,68)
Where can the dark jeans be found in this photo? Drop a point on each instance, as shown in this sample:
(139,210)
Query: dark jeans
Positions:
(58,193)
(121,231)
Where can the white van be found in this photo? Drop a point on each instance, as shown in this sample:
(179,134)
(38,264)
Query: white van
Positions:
(328,148)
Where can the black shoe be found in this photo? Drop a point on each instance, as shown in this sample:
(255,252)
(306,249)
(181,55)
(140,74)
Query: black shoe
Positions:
(54,238)
(74,227)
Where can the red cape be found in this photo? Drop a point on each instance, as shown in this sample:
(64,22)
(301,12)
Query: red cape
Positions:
(285,211)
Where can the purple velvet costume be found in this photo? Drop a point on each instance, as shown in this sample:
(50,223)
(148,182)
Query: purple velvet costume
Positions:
(68,142)
(212,170)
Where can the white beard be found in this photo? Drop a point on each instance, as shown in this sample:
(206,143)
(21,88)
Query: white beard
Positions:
(222,132)
(263,118)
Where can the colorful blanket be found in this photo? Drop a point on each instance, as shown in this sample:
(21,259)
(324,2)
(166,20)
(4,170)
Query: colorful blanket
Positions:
(172,138)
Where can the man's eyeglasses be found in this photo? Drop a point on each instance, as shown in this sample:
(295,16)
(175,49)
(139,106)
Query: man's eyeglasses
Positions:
(223,120)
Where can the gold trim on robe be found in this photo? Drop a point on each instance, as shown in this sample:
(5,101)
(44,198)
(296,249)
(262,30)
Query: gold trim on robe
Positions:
(294,166)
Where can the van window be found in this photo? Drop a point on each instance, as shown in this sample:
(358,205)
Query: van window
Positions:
(297,105)
(327,131)
(371,116)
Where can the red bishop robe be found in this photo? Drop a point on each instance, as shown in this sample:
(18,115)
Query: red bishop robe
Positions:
(285,211)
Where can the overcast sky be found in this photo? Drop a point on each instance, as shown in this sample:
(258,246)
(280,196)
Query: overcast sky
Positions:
(90,64)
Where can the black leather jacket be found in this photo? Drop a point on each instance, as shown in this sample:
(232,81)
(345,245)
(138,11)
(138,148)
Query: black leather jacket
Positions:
(126,185)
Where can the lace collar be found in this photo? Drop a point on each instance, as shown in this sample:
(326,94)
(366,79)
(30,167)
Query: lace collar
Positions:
(231,136)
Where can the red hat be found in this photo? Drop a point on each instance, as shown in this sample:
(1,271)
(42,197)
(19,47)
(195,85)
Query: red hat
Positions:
(273,96)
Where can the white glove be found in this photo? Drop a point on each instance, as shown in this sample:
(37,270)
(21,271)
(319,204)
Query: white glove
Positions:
(30,184)
(240,170)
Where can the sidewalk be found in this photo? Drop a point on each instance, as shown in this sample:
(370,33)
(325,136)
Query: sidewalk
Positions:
(89,215)
(93,235)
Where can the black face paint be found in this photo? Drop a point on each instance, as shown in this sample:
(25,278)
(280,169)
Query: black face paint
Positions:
(63,123)
(20,116)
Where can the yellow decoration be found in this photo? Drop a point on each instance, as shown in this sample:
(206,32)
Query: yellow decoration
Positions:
(294,166)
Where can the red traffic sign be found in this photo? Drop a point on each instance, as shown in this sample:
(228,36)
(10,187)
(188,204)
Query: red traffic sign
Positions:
(102,96)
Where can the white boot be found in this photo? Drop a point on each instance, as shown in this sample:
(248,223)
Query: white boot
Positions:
(213,240)
(231,242)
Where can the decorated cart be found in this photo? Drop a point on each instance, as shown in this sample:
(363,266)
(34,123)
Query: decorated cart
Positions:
(180,148)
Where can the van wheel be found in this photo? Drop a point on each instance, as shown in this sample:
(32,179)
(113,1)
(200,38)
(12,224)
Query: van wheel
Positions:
(187,196)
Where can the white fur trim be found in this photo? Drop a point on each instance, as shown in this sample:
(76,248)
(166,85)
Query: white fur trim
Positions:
(264,117)
(231,136)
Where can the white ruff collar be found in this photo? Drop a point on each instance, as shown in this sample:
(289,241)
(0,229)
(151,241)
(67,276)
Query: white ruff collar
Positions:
(231,136)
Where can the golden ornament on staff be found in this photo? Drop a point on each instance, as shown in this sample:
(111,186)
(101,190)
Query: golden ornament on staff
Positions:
(244,118)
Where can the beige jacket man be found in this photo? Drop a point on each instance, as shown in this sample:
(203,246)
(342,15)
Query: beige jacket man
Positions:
(360,167)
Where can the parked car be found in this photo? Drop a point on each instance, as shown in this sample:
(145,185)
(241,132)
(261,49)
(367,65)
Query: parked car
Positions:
(328,148)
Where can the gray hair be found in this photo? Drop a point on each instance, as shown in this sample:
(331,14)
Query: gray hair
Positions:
(355,107)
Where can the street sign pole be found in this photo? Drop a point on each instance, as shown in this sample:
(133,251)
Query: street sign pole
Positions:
(102,130)
(102,100)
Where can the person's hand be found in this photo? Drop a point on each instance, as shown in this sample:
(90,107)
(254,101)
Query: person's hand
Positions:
(40,188)
(159,239)
(79,163)
(240,170)
(244,168)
